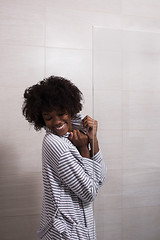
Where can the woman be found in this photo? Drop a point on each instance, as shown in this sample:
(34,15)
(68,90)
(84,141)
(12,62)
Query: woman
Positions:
(72,165)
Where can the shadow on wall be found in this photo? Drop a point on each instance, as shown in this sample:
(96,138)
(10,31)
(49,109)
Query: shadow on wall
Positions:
(20,198)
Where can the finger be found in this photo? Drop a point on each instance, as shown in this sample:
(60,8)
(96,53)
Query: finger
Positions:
(89,122)
(78,133)
(75,134)
(71,136)
(92,122)
(86,118)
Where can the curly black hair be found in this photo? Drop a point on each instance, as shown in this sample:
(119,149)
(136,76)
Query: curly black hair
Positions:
(52,93)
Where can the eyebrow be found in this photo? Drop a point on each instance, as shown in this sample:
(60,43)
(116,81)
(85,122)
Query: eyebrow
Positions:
(45,114)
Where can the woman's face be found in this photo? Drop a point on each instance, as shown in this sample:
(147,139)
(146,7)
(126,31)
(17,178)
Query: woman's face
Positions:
(57,121)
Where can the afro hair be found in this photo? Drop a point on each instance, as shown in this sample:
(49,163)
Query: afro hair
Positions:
(53,93)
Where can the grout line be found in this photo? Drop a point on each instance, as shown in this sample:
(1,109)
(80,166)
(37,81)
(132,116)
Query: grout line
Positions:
(42,46)
(45,18)
(92,53)
(125,29)
(122,153)
(23,215)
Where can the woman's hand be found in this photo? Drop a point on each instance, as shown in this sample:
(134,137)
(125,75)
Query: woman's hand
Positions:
(91,125)
(80,140)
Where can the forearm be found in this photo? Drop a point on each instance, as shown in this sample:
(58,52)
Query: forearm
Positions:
(94,146)
(84,151)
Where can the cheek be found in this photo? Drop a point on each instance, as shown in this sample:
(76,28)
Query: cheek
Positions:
(48,124)
(66,118)
(69,120)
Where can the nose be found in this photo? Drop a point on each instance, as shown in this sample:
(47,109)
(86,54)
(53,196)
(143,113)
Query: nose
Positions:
(57,120)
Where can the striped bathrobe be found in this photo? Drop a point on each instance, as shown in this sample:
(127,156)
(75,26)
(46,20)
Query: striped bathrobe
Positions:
(71,184)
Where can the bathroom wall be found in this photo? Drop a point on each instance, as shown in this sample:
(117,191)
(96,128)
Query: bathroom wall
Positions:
(44,37)
(127,100)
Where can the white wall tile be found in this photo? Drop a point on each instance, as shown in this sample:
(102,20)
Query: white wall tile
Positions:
(110,217)
(108,224)
(21,194)
(20,144)
(87,102)
(147,8)
(110,194)
(141,42)
(73,29)
(143,98)
(107,20)
(19,227)
(141,71)
(30,150)
(141,60)
(90,5)
(108,109)
(24,154)
(107,202)
(141,110)
(9,158)
(107,39)
(139,23)
(110,231)
(22,22)
(67,29)
(21,66)
(141,187)
(141,223)
(107,70)
(141,149)
(74,65)
(141,117)
(11,100)
(110,142)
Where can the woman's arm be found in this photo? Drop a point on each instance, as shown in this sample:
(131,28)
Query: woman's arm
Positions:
(83,176)
(92,125)
(80,140)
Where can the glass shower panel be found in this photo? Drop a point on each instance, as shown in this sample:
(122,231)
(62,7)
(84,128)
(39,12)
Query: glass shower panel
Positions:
(107,85)
(126,73)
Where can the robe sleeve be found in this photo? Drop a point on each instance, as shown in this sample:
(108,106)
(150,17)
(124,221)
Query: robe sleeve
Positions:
(83,178)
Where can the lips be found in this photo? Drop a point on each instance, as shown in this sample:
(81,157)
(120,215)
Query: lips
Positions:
(60,127)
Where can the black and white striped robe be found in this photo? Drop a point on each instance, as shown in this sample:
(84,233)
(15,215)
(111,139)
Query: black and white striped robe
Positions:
(71,184)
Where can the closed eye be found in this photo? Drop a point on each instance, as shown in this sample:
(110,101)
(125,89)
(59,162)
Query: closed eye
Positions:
(48,119)
(61,114)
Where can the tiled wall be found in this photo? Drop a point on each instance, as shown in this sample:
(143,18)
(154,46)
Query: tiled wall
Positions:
(127,101)
(43,37)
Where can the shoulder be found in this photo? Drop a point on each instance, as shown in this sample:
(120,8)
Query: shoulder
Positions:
(54,143)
